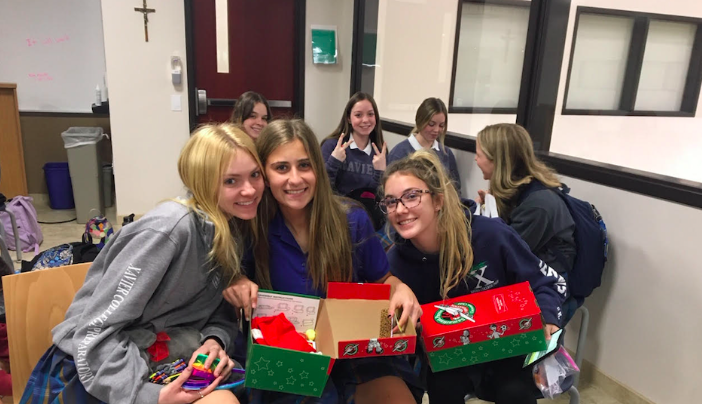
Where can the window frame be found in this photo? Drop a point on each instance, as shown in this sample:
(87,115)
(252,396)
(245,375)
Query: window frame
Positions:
(634,65)
(478,110)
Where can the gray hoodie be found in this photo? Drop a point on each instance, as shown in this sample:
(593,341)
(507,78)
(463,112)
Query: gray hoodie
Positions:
(153,275)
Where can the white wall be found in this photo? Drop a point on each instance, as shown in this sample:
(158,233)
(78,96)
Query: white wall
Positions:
(146,135)
(644,320)
(414,57)
(327,86)
(669,146)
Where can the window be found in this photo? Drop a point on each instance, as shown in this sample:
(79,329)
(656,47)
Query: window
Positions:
(665,65)
(628,63)
(488,57)
(599,62)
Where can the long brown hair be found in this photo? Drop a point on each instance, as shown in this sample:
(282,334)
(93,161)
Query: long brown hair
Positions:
(509,147)
(201,166)
(456,253)
(427,109)
(344,127)
(329,258)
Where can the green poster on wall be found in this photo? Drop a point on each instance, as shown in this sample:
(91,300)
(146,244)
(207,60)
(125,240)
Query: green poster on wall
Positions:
(324,45)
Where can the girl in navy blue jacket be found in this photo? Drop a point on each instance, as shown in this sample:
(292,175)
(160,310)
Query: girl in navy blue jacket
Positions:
(442,252)
(355,153)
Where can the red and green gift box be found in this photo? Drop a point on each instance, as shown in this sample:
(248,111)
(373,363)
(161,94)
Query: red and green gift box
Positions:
(347,326)
(482,327)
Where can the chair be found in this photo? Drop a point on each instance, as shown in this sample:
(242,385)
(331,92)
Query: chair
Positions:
(35,302)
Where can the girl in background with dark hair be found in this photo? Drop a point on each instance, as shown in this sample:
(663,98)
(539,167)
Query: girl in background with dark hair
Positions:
(355,153)
(252,113)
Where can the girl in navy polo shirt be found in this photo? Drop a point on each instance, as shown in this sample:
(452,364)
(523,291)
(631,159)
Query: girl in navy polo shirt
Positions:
(430,126)
(303,243)
(355,153)
(441,252)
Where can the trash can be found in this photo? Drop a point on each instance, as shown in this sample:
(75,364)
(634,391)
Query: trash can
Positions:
(58,182)
(107,187)
(86,171)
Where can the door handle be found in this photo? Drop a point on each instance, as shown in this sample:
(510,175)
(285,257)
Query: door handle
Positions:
(203,102)
(201,105)
(229,102)
(280,104)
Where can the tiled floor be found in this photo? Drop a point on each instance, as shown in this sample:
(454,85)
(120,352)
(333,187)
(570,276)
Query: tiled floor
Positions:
(55,234)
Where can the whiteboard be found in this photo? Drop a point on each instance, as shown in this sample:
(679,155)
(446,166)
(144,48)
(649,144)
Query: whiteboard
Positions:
(54,50)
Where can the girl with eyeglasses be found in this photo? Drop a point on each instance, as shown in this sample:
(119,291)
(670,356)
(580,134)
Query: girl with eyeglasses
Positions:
(441,251)
(307,237)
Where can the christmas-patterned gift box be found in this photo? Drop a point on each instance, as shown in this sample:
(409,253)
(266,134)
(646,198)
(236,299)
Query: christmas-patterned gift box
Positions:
(482,327)
(347,325)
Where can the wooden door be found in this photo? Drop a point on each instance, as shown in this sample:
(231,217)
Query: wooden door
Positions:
(264,44)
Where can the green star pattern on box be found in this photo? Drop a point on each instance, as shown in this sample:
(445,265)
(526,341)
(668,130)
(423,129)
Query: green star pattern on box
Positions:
(279,369)
(487,351)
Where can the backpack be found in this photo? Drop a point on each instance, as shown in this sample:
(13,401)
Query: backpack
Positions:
(64,254)
(98,231)
(591,242)
(54,257)
(30,235)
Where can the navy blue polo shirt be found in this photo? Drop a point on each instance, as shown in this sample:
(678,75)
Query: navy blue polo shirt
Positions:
(288,263)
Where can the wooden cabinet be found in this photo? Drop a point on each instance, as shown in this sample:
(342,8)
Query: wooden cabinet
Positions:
(13,179)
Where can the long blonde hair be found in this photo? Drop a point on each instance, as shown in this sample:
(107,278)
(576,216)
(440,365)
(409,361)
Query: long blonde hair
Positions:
(510,149)
(427,109)
(456,252)
(329,258)
(202,165)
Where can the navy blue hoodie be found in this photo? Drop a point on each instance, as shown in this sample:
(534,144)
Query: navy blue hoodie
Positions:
(500,258)
(355,172)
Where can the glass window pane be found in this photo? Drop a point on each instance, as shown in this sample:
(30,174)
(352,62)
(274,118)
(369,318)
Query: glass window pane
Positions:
(665,65)
(599,62)
(490,55)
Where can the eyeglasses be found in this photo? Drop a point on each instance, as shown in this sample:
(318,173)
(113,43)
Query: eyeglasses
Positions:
(409,199)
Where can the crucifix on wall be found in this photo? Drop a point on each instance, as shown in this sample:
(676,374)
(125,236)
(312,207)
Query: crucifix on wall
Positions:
(146,12)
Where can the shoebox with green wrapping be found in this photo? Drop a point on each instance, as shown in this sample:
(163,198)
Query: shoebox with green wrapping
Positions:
(350,323)
(482,327)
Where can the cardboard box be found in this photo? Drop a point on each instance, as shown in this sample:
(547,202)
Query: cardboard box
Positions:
(347,324)
(507,323)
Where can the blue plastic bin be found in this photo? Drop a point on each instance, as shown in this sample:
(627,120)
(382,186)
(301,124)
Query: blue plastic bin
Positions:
(58,181)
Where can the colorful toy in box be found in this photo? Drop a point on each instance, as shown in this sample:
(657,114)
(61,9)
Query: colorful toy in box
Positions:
(200,377)
(351,310)
(482,327)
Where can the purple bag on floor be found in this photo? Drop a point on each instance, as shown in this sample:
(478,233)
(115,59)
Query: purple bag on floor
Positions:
(29,231)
